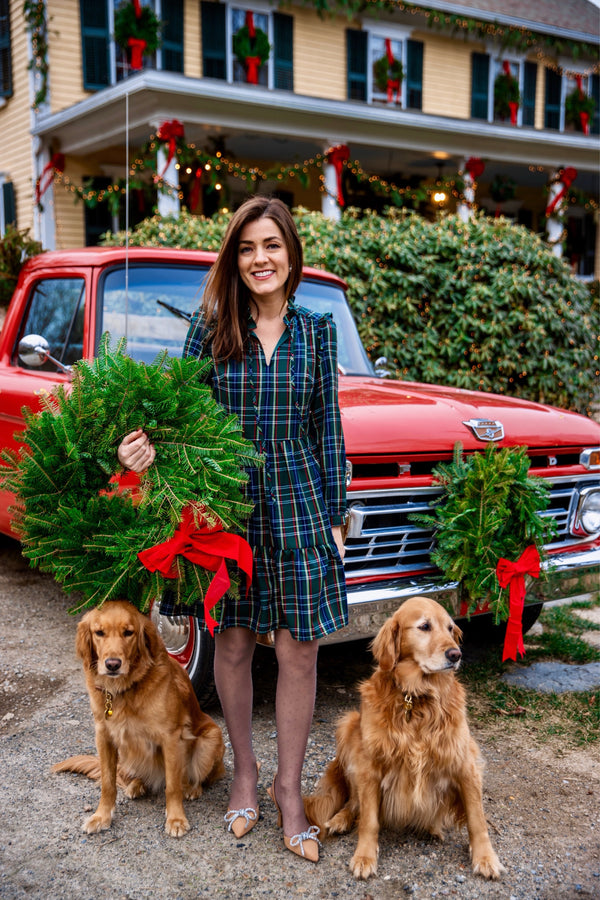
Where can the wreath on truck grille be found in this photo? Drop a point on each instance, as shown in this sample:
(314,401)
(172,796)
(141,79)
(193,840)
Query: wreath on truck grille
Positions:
(86,526)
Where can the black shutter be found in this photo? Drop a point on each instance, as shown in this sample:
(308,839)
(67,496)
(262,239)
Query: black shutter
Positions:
(552,100)
(414,74)
(529,84)
(356,56)
(214,50)
(172,36)
(595,93)
(94,41)
(283,52)
(8,203)
(480,85)
(5,56)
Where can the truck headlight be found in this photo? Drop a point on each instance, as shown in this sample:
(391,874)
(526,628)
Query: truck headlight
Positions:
(587,516)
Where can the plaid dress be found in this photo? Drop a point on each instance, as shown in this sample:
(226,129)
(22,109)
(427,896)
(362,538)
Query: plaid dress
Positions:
(290,410)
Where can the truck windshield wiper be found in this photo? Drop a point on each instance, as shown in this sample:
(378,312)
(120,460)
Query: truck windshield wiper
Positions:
(176,312)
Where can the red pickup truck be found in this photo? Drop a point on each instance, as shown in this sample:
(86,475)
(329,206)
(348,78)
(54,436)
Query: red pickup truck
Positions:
(396,432)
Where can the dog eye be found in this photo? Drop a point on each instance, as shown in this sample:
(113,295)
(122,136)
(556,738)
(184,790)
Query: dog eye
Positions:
(128,632)
(425,627)
(99,633)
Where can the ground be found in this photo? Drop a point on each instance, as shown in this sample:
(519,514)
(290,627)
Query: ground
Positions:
(542,804)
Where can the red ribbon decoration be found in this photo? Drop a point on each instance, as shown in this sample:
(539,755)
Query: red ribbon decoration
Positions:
(252,67)
(206,546)
(137,8)
(250,24)
(584,118)
(567,177)
(337,156)
(506,68)
(137,47)
(195,191)
(514,109)
(393,84)
(513,574)
(474,166)
(170,131)
(56,164)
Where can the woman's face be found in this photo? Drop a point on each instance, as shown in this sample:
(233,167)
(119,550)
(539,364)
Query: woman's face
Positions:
(263,261)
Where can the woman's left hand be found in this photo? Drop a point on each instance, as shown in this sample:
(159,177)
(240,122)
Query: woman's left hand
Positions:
(339,541)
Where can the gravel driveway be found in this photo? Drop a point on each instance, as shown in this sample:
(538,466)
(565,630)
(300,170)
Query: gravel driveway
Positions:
(544,811)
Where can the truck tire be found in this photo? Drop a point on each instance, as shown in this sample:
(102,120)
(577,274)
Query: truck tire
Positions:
(192,647)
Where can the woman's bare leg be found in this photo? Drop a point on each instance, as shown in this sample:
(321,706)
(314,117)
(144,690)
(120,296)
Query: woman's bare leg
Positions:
(234,649)
(294,706)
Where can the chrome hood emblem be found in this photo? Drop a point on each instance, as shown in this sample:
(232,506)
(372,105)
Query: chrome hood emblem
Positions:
(486,429)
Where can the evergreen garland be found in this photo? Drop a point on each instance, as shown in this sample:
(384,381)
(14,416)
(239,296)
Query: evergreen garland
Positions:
(489,508)
(87,532)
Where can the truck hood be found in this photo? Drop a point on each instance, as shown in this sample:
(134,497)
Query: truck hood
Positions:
(382,416)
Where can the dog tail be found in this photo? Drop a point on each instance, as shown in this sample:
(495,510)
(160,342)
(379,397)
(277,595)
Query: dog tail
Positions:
(331,794)
(88,765)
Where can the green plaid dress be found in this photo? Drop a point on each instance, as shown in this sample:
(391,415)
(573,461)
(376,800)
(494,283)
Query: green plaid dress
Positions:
(289,408)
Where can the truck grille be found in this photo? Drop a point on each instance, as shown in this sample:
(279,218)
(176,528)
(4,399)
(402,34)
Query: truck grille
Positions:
(383,541)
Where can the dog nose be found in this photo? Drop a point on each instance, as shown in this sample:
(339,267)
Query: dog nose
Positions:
(453,655)
(113,664)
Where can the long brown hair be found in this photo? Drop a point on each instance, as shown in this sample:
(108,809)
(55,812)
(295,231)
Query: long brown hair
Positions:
(226,297)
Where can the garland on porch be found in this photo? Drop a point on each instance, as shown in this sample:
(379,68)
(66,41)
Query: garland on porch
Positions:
(36,25)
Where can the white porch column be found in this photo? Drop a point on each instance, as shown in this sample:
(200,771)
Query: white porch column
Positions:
(556,208)
(44,229)
(168,203)
(465,209)
(329,205)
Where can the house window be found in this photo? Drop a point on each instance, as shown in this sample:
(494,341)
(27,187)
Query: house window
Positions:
(221,22)
(104,63)
(5,56)
(8,211)
(490,95)
(384,69)
(552,100)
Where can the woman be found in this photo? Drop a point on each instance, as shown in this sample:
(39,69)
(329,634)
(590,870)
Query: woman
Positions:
(275,367)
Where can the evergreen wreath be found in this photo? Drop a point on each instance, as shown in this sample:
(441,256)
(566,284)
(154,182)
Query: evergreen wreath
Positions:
(506,90)
(383,71)
(489,508)
(84,530)
(245,46)
(576,103)
(145,27)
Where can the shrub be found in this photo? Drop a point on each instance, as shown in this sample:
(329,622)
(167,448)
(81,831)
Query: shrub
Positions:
(15,249)
(482,305)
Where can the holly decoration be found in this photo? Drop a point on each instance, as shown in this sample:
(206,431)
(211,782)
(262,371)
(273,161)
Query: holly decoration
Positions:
(76,523)
(251,47)
(489,509)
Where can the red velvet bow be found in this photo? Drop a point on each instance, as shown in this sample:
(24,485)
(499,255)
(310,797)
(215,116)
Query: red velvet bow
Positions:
(513,574)
(337,156)
(56,164)
(250,24)
(506,68)
(393,84)
(474,166)
(252,66)
(137,8)
(206,546)
(170,131)
(567,177)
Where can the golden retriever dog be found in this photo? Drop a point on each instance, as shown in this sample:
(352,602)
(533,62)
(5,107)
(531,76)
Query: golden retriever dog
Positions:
(406,759)
(150,731)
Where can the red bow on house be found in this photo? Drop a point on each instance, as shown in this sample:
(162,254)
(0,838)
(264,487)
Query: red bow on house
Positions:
(170,132)
(337,156)
(506,68)
(56,164)
(393,84)
(474,166)
(567,177)
(250,24)
(513,574)
(206,546)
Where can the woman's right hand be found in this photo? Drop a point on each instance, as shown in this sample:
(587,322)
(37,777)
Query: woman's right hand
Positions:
(136,452)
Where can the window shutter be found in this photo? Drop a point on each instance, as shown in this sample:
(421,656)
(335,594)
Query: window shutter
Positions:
(172,36)
(8,203)
(94,42)
(414,74)
(595,93)
(356,58)
(5,55)
(480,85)
(214,51)
(283,51)
(552,100)
(529,83)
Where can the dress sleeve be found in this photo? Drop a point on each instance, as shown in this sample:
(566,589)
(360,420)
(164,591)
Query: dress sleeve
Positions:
(196,336)
(327,422)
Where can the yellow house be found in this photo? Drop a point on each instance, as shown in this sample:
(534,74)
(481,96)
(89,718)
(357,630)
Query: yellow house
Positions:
(361,103)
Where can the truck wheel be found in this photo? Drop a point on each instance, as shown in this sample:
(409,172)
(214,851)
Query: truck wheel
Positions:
(192,647)
(480,630)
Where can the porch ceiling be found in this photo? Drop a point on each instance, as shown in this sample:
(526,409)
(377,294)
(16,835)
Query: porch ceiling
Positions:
(280,127)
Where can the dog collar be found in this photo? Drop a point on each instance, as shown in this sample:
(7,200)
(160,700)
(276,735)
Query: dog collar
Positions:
(108,699)
(408,706)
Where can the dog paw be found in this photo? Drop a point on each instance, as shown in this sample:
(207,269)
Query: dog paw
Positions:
(177,826)
(193,793)
(488,866)
(341,823)
(363,866)
(135,788)
(97,823)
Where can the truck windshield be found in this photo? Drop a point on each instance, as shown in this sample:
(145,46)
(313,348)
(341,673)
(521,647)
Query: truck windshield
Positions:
(153,309)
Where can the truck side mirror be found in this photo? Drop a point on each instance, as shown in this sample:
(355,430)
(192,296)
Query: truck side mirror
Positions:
(34,351)
(380,367)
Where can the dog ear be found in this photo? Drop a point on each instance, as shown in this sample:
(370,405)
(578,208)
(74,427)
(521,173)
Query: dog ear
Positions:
(84,645)
(150,641)
(457,634)
(386,645)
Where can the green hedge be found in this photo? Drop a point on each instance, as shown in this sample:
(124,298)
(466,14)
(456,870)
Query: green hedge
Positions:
(482,305)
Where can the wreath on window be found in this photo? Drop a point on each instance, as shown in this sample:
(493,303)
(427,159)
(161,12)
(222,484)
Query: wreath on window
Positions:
(576,104)
(251,47)
(142,26)
(385,72)
(506,91)
(85,525)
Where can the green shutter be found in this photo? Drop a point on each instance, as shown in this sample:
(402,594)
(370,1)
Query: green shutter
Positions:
(480,85)
(172,36)
(356,57)
(214,50)
(5,55)
(529,84)
(94,41)
(552,100)
(283,52)
(595,93)
(414,74)
(8,203)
